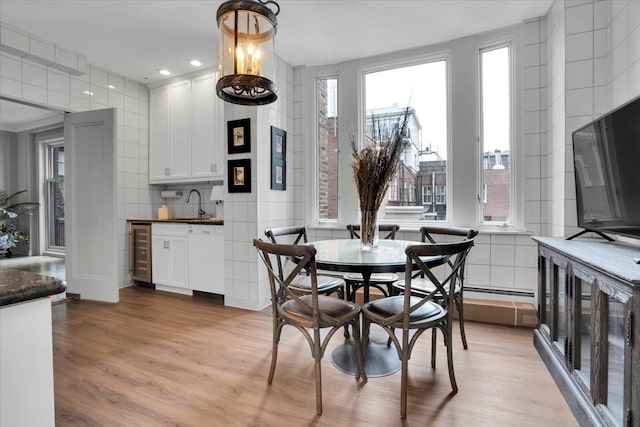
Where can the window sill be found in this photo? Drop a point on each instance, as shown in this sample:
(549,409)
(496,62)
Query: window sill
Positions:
(415,226)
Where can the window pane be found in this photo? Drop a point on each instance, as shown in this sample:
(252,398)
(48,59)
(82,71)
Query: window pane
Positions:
(423,166)
(55,196)
(327,112)
(58,162)
(56,214)
(496,134)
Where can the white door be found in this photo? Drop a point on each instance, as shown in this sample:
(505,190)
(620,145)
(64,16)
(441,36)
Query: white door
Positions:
(90,209)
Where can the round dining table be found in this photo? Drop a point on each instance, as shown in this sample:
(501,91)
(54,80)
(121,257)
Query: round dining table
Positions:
(346,256)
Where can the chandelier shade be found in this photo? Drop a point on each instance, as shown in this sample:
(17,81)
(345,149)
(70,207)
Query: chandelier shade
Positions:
(247,51)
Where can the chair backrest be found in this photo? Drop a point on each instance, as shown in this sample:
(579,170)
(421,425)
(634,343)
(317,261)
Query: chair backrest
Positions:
(455,252)
(279,286)
(288,235)
(438,234)
(434,233)
(299,234)
(390,229)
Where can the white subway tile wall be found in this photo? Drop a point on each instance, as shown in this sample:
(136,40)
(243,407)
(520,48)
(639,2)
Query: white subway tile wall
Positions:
(23,79)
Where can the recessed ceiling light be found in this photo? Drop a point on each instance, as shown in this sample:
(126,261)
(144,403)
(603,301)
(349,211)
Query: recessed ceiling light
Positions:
(87,92)
(164,72)
(195,63)
(111,86)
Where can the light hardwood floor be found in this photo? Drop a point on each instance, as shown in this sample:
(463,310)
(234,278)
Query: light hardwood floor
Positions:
(159,359)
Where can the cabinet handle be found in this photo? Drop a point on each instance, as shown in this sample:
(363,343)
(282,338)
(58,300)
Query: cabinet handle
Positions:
(167,171)
(166,244)
(214,168)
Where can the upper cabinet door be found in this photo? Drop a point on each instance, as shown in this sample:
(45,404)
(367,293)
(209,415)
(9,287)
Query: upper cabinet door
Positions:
(159,165)
(207,154)
(180,129)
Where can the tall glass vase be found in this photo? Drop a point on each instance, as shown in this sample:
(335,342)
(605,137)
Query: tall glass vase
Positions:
(368,230)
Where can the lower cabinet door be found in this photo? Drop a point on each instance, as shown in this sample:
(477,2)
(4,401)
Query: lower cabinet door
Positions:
(160,256)
(170,261)
(178,263)
(206,258)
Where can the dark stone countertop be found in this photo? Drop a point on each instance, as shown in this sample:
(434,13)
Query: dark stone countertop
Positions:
(19,286)
(205,221)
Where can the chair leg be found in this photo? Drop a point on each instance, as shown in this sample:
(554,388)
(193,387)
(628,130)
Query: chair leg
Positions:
(365,337)
(274,351)
(404,378)
(318,387)
(346,332)
(433,347)
(317,356)
(359,350)
(460,306)
(452,376)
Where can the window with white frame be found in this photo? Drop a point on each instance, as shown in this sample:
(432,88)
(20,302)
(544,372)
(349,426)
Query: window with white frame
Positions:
(54,175)
(423,88)
(496,133)
(441,195)
(393,189)
(327,165)
(427,197)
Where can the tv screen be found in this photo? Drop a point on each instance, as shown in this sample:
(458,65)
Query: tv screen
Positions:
(606,154)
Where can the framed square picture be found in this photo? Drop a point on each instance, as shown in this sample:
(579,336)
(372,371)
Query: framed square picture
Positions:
(278,174)
(278,159)
(239,175)
(239,136)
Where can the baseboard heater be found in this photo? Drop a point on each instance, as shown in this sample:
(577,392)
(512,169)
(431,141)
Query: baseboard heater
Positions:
(509,292)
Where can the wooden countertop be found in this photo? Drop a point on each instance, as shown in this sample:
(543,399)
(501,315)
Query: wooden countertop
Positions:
(205,221)
(19,286)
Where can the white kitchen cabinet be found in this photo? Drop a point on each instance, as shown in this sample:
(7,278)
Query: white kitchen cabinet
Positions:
(186,132)
(207,135)
(170,133)
(180,129)
(170,257)
(206,258)
(159,164)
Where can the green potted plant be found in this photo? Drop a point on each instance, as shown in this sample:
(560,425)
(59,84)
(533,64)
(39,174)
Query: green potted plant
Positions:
(9,234)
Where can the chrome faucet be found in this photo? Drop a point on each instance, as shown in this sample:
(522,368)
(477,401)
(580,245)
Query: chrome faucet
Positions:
(201,211)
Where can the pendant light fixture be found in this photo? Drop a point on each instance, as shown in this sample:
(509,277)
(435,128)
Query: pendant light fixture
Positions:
(247,51)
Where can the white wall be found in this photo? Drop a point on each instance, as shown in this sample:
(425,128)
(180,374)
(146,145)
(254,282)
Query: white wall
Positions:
(247,215)
(593,66)
(7,150)
(24,80)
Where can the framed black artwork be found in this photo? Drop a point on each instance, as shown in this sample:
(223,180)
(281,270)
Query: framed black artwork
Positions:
(239,175)
(278,159)
(239,136)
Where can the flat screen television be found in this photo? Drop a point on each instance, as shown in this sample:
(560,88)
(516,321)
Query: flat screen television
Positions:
(606,154)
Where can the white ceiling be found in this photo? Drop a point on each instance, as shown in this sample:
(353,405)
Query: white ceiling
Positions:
(136,38)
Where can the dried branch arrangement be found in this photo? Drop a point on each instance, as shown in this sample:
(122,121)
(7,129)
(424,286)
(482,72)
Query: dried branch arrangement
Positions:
(376,163)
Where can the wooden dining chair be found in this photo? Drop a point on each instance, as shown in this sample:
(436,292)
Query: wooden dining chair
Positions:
(418,313)
(380,281)
(308,313)
(422,285)
(296,235)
